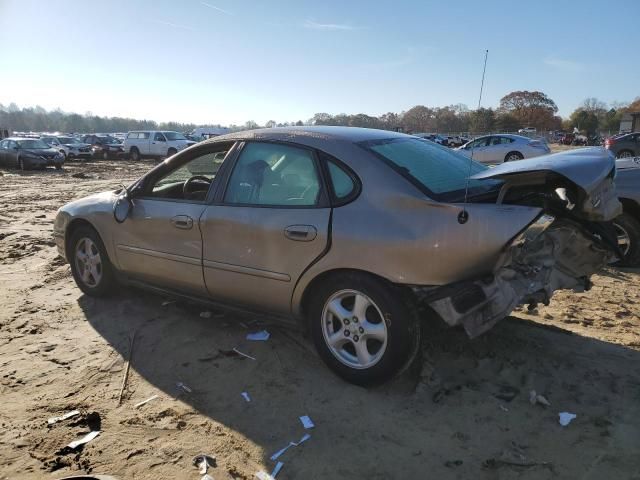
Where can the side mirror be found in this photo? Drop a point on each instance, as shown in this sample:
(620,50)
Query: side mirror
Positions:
(122,207)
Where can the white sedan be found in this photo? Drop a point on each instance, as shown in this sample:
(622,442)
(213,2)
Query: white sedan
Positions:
(504,148)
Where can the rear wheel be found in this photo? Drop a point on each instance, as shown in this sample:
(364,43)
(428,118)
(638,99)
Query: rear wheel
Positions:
(628,232)
(363,328)
(90,264)
(512,156)
(171,151)
(624,154)
(134,154)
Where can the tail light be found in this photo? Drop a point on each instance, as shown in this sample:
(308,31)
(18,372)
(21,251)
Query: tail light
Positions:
(608,142)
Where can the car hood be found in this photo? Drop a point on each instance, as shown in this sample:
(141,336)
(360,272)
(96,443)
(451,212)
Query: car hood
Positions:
(589,170)
(41,152)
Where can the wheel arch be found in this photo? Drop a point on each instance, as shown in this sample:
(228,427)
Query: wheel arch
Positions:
(71,228)
(300,307)
(518,152)
(631,207)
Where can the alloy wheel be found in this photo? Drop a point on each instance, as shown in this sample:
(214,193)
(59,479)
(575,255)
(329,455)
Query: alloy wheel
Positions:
(88,262)
(624,239)
(354,329)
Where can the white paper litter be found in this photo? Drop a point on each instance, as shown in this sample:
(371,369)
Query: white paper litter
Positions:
(306,422)
(534,398)
(207,477)
(304,438)
(261,336)
(246,396)
(566,417)
(203,462)
(139,404)
(167,302)
(262,475)
(70,414)
(183,387)
(243,354)
(86,439)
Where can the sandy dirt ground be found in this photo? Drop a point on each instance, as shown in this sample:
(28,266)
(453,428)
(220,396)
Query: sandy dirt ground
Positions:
(463,411)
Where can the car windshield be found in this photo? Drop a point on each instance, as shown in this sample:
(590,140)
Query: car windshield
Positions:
(32,143)
(108,139)
(67,140)
(439,172)
(174,136)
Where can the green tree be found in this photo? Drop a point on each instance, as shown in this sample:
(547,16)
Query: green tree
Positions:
(531,109)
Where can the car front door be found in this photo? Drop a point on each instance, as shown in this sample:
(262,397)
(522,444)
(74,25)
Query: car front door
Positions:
(479,149)
(266,226)
(158,145)
(160,242)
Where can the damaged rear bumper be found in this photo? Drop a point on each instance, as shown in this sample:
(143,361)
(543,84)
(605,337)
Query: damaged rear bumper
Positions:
(551,254)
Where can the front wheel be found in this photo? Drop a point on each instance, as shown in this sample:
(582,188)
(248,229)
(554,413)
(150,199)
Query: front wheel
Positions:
(171,152)
(363,328)
(134,154)
(628,233)
(90,263)
(625,154)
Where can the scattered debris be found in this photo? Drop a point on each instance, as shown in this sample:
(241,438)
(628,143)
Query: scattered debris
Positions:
(565,418)
(167,302)
(86,439)
(183,387)
(206,314)
(304,438)
(262,475)
(452,463)
(246,396)
(503,408)
(139,404)
(306,422)
(80,175)
(492,463)
(243,354)
(70,414)
(536,398)
(261,336)
(126,371)
(203,462)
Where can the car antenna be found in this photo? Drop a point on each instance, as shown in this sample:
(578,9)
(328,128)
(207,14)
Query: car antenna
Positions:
(463,216)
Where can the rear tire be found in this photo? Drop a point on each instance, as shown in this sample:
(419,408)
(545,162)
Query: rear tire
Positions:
(171,152)
(513,156)
(134,154)
(90,264)
(364,328)
(628,231)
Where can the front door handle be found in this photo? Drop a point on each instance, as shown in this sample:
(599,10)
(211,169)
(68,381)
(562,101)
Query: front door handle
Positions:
(301,233)
(185,222)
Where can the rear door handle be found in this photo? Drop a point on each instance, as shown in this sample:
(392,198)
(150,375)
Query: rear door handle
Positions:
(183,222)
(301,233)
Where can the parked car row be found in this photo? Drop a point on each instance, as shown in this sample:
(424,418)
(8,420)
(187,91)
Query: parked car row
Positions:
(493,149)
(29,153)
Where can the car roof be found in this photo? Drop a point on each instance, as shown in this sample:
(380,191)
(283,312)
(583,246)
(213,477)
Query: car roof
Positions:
(348,134)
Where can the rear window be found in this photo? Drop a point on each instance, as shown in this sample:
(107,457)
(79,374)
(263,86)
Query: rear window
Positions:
(439,172)
(138,135)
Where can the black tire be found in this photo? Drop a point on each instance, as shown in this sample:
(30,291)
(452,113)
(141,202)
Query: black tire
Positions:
(403,329)
(134,154)
(513,156)
(107,283)
(624,154)
(171,151)
(629,226)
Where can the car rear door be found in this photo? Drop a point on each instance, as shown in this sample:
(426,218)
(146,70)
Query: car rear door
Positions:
(158,146)
(268,223)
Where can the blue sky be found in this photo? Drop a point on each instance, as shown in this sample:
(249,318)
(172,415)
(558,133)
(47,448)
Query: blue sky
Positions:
(224,61)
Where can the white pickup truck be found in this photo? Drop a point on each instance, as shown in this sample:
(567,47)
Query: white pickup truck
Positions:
(154,143)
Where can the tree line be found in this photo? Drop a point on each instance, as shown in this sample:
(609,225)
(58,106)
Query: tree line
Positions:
(516,110)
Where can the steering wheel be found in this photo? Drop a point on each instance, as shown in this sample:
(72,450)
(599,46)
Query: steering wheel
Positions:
(186,190)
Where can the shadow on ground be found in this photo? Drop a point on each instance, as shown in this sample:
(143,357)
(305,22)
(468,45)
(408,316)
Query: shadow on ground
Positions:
(465,415)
